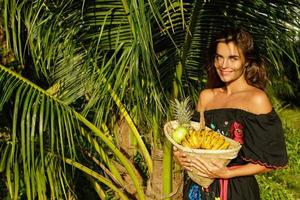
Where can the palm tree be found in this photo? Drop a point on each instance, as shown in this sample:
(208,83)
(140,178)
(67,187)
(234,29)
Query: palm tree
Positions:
(91,93)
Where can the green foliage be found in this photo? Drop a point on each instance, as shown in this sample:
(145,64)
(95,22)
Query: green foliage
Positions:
(80,66)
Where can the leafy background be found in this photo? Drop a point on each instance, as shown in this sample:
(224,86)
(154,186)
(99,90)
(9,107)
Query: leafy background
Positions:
(85,90)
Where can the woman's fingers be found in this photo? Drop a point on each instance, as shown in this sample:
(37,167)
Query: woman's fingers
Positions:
(217,164)
(184,160)
(179,157)
(200,165)
(207,168)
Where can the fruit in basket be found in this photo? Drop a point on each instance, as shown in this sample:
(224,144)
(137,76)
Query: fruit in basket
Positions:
(192,140)
(205,139)
(179,134)
(183,114)
(185,135)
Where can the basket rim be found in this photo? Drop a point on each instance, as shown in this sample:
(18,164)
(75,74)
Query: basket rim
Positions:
(201,151)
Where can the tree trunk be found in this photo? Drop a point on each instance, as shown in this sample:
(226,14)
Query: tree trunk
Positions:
(154,185)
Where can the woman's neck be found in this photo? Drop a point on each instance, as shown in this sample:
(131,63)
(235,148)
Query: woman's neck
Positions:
(235,86)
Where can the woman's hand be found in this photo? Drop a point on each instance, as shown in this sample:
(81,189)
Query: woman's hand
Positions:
(211,169)
(181,158)
(200,166)
(207,168)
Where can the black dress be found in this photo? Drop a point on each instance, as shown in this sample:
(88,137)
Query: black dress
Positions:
(262,142)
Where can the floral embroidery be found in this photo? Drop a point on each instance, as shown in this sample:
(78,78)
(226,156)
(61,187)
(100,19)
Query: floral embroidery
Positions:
(237,132)
(222,132)
(233,130)
(194,192)
(212,126)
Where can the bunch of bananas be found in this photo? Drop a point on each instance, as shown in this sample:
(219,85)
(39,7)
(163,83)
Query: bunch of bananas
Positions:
(204,139)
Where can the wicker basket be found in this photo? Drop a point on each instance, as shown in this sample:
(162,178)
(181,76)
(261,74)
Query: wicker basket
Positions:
(222,157)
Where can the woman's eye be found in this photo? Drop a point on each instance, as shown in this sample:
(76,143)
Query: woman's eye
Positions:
(218,57)
(233,59)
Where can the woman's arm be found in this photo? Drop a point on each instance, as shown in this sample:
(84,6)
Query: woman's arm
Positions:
(212,170)
(247,169)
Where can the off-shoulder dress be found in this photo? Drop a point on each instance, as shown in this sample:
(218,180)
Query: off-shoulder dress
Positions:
(263,142)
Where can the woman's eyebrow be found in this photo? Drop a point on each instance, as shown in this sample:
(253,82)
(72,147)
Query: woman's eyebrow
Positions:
(231,56)
(234,56)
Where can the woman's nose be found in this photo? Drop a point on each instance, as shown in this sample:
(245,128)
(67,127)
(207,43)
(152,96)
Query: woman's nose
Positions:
(224,63)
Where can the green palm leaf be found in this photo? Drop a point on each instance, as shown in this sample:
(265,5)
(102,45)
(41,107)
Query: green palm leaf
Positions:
(101,59)
(27,98)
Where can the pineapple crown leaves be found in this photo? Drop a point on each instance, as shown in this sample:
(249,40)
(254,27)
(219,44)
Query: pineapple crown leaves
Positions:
(182,111)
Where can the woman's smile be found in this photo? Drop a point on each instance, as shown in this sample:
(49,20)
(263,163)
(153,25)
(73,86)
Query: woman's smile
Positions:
(225,72)
(229,62)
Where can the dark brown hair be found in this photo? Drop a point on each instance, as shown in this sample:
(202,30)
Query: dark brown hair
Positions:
(255,72)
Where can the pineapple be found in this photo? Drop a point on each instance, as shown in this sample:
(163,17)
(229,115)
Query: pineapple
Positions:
(186,136)
(183,114)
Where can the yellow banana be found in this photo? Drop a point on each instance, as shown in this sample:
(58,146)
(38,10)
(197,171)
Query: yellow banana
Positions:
(204,139)
(214,137)
(225,145)
(185,142)
(192,140)
(207,139)
(220,141)
(201,138)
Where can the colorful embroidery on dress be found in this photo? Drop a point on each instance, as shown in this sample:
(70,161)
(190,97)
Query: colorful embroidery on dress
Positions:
(194,192)
(233,130)
(212,126)
(237,132)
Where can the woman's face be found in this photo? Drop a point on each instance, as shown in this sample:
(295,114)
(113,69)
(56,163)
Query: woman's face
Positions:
(229,62)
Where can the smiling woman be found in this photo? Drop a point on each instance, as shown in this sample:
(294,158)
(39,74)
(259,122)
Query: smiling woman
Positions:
(235,51)
(229,62)
(237,107)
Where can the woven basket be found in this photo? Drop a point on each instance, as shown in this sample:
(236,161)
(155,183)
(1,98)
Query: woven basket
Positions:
(220,157)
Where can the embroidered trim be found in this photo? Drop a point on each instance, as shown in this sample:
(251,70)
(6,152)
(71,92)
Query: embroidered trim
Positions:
(264,164)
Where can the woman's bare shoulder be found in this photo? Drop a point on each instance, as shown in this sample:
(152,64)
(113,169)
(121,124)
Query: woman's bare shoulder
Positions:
(206,96)
(258,102)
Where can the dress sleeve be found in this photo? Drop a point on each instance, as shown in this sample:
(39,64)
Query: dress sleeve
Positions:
(264,141)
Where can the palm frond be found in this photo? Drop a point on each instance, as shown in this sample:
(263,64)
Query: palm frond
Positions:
(27,101)
(92,60)
(97,176)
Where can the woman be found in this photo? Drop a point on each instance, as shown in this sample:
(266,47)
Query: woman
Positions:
(236,105)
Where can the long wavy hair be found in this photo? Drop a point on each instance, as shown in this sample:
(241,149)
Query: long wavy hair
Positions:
(255,72)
